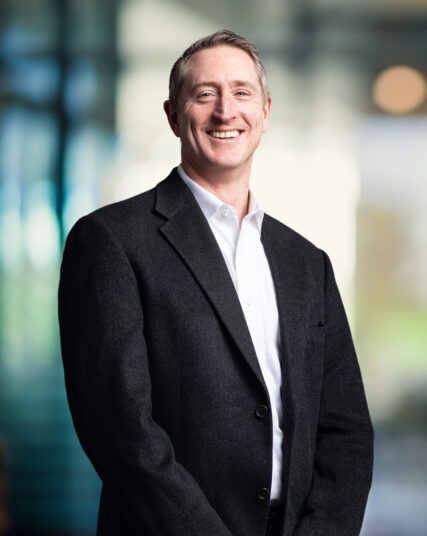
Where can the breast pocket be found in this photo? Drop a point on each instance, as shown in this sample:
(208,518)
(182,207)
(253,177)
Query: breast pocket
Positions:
(316,333)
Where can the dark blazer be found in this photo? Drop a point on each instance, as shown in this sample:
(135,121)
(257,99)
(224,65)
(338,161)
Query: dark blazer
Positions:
(164,384)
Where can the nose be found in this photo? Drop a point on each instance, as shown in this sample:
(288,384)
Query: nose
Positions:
(224,108)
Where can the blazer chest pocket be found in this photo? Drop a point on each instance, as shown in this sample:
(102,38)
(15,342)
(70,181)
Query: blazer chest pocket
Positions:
(316,333)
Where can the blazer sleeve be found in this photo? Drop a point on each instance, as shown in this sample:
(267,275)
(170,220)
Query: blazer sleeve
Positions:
(344,449)
(109,390)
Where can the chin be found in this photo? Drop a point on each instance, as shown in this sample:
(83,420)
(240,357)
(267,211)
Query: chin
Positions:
(226,163)
(223,167)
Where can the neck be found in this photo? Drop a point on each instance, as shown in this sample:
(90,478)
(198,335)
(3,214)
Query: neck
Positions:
(232,187)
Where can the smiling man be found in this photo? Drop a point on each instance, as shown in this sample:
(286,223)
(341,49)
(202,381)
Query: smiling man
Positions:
(222,110)
(209,365)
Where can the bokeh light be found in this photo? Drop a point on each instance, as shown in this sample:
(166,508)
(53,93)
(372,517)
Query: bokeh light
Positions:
(399,89)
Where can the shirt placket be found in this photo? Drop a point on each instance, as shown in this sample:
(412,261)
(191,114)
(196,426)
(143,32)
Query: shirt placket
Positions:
(245,276)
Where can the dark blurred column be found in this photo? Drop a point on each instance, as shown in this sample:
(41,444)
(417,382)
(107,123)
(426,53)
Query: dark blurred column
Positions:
(61,10)
(105,60)
(4,514)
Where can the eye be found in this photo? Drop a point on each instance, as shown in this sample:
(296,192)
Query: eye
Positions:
(205,94)
(242,93)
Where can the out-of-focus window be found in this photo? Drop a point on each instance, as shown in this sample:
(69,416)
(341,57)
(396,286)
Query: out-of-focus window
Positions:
(57,118)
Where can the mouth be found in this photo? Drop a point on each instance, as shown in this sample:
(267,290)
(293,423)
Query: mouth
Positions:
(224,134)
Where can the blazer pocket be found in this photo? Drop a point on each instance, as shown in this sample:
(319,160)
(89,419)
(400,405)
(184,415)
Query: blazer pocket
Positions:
(316,333)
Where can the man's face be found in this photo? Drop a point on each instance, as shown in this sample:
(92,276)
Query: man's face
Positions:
(221,115)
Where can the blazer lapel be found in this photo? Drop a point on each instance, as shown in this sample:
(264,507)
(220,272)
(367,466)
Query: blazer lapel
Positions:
(189,233)
(289,277)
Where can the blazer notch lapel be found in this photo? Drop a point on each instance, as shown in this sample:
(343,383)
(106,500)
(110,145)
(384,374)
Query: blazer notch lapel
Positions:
(190,235)
(290,281)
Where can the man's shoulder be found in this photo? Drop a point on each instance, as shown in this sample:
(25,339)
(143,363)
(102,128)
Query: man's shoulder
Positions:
(128,217)
(286,236)
(124,211)
(288,248)
(129,224)
(138,210)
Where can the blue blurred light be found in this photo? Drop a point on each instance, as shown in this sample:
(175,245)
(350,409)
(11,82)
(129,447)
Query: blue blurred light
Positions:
(35,80)
(41,226)
(80,89)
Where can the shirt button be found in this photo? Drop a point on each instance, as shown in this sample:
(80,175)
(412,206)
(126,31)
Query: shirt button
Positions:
(263,494)
(225,212)
(261,411)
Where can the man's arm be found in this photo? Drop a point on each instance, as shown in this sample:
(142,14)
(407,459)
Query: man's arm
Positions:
(344,450)
(109,390)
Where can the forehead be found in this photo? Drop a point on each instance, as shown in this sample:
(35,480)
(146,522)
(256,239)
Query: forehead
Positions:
(220,64)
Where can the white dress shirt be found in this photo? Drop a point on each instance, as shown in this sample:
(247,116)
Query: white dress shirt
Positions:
(245,258)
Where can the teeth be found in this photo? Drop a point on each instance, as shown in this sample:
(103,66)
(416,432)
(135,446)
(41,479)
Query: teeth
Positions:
(222,134)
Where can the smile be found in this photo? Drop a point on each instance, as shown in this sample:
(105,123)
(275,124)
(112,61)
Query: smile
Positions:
(224,133)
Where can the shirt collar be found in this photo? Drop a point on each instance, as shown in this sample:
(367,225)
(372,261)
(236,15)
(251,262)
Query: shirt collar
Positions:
(210,203)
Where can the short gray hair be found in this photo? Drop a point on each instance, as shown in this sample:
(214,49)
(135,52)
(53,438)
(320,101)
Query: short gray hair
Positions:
(222,37)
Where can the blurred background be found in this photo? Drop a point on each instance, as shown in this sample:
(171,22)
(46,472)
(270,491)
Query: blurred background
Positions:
(344,162)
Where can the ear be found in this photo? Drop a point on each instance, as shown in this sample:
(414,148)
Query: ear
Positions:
(172,115)
(267,112)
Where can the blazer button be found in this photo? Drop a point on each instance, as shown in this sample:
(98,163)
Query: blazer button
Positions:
(263,494)
(261,411)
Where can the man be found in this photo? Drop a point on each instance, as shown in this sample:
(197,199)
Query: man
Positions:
(209,364)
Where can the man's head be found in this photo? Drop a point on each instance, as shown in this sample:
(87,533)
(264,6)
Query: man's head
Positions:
(219,106)
(222,37)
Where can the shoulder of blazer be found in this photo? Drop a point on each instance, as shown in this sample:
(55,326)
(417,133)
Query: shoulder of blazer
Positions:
(278,236)
(134,215)
(125,212)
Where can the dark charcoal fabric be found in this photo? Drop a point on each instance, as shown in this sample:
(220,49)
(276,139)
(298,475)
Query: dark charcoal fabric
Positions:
(163,380)
(275,518)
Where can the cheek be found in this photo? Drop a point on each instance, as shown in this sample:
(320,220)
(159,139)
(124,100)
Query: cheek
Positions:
(256,117)
(186,128)
(258,124)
